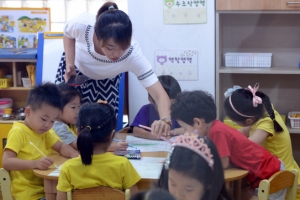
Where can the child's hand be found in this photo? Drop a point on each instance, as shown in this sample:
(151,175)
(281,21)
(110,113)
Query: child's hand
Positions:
(44,163)
(121,146)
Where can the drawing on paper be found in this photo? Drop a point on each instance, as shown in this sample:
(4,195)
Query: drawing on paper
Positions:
(148,167)
(31,25)
(55,172)
(145,145)
(7,23)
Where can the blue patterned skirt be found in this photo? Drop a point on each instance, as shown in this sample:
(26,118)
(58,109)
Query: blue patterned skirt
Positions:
(93,90)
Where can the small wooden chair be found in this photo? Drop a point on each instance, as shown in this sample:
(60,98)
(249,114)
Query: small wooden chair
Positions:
(101,193)
(5,184)
(279,181)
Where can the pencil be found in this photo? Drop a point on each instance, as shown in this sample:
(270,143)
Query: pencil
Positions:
(116,140)
(41,152)
(161,137)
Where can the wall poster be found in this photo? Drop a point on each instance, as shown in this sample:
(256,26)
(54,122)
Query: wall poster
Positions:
(18,26)
(185,12)
(181,64)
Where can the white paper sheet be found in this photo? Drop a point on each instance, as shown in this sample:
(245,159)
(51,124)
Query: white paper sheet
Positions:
(145,145)
(55,172)
(148,167)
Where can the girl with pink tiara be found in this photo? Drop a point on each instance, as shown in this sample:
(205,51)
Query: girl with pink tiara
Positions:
(193,170)
(260,122)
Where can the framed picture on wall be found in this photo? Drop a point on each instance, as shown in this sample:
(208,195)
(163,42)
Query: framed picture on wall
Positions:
(19,26)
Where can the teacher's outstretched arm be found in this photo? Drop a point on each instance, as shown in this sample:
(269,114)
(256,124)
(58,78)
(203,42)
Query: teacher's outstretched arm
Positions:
(160,127)
(69,46)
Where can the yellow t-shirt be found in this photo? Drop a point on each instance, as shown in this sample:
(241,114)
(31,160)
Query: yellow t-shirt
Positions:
(24,184)
(106,170)
(51,151)
(277,144)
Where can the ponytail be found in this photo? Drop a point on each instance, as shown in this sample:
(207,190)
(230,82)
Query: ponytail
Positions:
(105,7)
(85,146)
(95,125)
(267,104)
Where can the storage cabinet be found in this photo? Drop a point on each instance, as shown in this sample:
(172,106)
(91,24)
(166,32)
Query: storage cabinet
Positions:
(17,92)
(276,32)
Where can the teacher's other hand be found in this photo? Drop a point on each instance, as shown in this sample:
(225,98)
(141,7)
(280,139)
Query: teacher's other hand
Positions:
(160,128)
(70,70)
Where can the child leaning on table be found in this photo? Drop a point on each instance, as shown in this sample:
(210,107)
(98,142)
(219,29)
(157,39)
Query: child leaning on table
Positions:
(65,127)
(20,157)
(95,166)
(260,122)
(193,170)
(148,113)
(196,110)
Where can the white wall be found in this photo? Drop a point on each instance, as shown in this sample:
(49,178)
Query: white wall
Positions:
(152,34)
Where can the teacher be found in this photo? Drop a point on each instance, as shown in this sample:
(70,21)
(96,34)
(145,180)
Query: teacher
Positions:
(101,47)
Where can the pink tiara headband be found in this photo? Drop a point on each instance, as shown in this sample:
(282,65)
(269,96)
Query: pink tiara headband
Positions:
(256,99)
(194,144)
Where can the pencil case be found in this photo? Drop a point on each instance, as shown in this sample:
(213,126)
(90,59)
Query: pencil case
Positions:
(130,154)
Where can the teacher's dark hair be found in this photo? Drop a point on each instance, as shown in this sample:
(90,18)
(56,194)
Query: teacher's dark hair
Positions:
(113,23)
(95,124)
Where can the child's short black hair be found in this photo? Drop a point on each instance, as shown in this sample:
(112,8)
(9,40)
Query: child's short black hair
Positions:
(193,104)
(170,85)
(46,93)
(68,93)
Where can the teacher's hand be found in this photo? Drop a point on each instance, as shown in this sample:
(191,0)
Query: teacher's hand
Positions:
(70,70)
(160,128)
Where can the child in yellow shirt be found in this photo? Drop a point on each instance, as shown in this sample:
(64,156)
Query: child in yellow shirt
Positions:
(96,167)
(20,157)
(261,123)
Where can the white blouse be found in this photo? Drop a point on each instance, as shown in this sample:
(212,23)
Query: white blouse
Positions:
(98,67)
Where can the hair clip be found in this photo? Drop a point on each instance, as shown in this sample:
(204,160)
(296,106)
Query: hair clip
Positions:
(229,91)
(89,127)
(102,102)
(111,7)
(194,144)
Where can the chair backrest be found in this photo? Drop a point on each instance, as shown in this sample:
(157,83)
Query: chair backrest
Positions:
(279,181)
(5,184)
(103,193)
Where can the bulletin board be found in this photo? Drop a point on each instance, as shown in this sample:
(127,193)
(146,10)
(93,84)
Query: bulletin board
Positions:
(18,26)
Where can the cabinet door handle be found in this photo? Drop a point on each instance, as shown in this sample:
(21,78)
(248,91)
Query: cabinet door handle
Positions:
(292,2)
